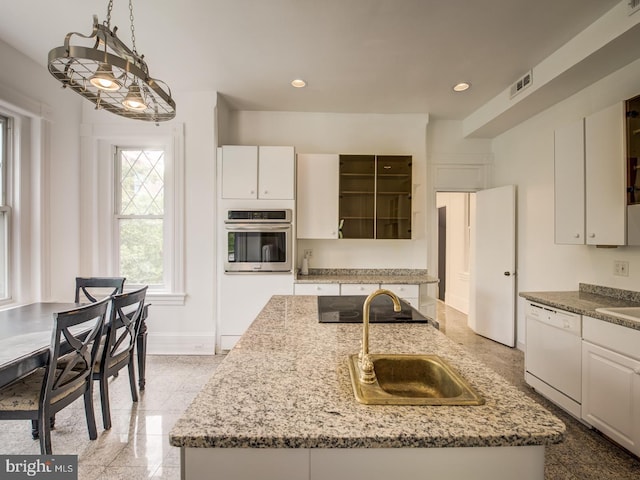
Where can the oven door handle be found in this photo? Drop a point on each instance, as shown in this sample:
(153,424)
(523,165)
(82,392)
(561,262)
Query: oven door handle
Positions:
(253,228)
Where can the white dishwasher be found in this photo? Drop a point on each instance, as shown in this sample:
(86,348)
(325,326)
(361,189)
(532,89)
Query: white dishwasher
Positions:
(553,355)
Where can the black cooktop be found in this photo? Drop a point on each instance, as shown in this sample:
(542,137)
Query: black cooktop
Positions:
(348,309)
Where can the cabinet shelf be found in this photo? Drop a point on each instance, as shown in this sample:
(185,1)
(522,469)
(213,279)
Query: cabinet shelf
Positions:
(356,174)
(373,190)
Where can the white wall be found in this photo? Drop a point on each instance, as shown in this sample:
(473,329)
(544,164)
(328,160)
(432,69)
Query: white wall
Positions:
(349,133)
(174,328)
(51,237)
(524,156)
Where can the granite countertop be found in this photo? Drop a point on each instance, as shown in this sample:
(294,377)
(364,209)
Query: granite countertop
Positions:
(587,299)
(345,275)
(286,384)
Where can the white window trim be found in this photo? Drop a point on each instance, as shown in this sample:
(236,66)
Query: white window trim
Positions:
(8,154)
(97,192)
(29,240)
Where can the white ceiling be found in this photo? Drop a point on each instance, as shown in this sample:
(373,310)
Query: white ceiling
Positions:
(360,56)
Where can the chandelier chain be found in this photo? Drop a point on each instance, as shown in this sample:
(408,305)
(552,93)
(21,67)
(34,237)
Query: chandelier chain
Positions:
(133,33)
(109,8)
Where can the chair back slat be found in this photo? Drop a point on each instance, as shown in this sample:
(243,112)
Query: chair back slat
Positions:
(95,288)
(124,325)
(76,338)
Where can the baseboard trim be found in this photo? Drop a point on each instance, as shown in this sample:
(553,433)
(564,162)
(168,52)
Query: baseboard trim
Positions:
(174,343)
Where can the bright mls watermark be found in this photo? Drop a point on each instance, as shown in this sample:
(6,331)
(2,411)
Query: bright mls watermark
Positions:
(50,467)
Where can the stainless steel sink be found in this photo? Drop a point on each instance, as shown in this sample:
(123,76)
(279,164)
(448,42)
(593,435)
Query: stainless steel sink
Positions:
(629,313)
(412,380)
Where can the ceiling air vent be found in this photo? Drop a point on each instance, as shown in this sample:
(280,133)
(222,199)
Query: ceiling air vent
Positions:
(524,81)
(634,6)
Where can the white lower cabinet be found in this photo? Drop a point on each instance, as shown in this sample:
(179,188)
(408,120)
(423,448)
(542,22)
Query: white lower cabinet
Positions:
(453,463)
(242,297)
(358,288)
(611,381)
(414,295)
(409,293)
(316,289)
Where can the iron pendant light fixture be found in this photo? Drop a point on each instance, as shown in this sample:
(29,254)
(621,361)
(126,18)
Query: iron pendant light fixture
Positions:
(111,75)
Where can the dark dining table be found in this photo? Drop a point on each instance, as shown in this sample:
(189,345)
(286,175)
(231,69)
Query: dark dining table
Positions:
(25,338)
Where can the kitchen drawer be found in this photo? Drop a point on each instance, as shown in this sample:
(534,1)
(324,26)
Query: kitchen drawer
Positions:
(623,340)
(316,289)
(358,288)
(404,291)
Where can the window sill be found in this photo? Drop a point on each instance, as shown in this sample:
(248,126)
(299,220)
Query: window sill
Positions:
(165,298)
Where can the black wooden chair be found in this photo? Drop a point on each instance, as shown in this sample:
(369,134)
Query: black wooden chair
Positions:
(93,288)
(117,352)
(45,391)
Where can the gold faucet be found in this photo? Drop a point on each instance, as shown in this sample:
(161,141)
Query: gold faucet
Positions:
(367,374)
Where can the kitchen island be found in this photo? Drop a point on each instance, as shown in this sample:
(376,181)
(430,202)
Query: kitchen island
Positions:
(281,406)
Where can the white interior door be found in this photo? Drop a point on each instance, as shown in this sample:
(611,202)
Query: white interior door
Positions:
(493,259)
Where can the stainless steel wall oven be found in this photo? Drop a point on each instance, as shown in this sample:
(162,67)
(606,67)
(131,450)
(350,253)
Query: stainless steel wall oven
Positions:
(258,240)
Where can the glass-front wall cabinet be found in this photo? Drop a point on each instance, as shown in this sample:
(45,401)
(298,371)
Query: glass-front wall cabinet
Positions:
(393,196)
(357,196)
(375,196)
(633,151)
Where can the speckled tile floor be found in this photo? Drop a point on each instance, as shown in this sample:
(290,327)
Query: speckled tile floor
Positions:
(585,454)
(137,446)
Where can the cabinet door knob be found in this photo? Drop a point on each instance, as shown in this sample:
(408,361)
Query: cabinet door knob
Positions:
(636,371)
(592,235)
(577,235)
(266,191)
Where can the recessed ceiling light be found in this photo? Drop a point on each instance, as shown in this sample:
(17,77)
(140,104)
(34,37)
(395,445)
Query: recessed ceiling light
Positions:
(298,83)
(461,87)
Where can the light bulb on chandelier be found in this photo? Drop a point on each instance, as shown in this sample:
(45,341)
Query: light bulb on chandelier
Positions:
(104,79)
(133,100)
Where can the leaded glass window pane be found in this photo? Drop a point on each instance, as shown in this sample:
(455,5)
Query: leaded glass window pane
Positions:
(140,215)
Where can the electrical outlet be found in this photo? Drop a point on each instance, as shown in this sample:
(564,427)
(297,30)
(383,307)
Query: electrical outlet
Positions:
(621,268)
(308,253)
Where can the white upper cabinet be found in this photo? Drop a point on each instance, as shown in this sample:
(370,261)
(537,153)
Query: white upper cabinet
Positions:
(276,167)
(590,180)
(239,171)
(250,172)
(317,195)
(606,177)
(569,183)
